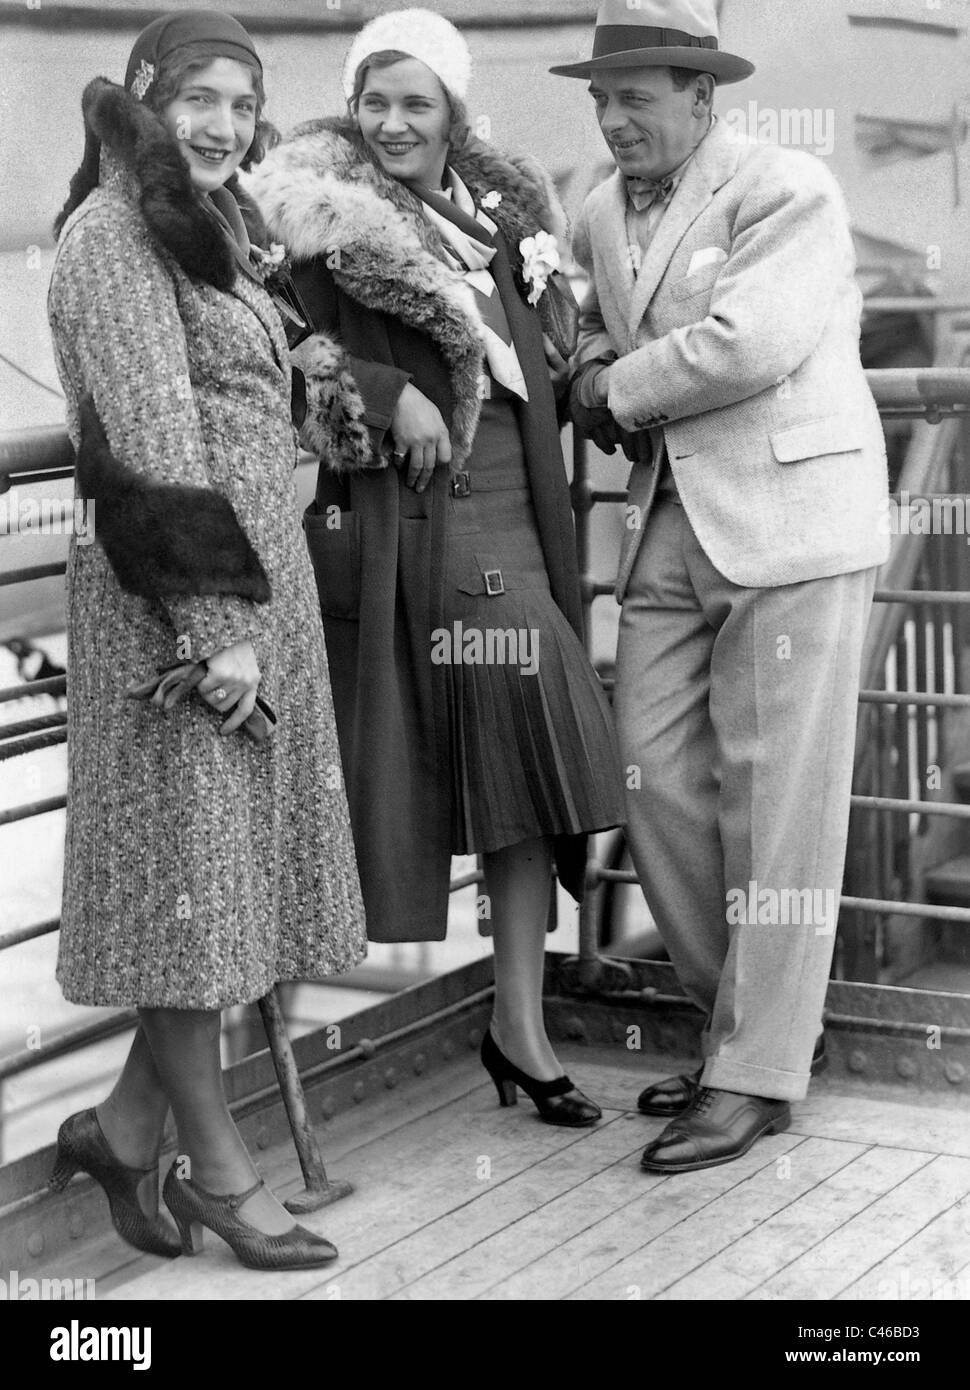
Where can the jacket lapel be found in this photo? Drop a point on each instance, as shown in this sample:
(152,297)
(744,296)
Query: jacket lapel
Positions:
(608,231)
(714,163)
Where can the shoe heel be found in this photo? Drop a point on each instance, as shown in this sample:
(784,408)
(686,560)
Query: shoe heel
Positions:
(65,1166)
(192,1236)
(507,1091)
(779,1126)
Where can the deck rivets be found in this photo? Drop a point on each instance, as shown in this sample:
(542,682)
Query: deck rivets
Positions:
(262,1137)
(955,1072)
(448,1049)
(574,1029)
(327,1108)
(75,1225)
(857,1060)
(359,1091)
(474,1038)
(906,1068)
(368,1047)
(35,1243)
(390,1078)
(420,1063)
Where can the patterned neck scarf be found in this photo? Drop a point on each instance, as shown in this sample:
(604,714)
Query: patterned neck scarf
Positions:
(472,258)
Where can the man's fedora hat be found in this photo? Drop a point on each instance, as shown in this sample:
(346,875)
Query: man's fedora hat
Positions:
(659,33)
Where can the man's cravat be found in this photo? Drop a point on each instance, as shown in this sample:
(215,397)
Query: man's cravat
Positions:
(645,192)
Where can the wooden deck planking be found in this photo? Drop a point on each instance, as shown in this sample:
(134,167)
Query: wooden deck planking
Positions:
(402,1186)
(873,1235)
(856,1192)
(931,1265)
(656,1206)
(659,1262)
(501,1208)
(755,1257)
(895,1124)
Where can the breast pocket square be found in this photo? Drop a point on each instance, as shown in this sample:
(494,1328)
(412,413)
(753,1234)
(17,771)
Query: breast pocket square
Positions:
(710,255)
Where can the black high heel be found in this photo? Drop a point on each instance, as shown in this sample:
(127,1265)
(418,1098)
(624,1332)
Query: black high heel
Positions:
(552,1099)
(81,1146)
(194,1208)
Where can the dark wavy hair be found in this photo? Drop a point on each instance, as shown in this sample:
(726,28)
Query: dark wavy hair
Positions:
(459,130)
(172,74)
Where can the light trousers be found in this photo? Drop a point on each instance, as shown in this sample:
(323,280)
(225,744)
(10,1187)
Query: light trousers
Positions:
(736,711)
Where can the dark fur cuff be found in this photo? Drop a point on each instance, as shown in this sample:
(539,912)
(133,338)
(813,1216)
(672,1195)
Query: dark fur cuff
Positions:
(164,539)
(333,426)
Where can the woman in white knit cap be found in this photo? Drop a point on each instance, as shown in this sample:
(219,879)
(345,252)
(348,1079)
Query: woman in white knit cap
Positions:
(470,719)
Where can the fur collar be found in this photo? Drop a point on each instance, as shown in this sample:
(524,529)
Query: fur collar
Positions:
(175,214)
(322,194)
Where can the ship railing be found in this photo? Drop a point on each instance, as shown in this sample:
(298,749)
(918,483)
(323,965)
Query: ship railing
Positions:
(39,455)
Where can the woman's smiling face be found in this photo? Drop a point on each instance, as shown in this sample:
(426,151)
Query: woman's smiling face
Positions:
(405,118)
(214,120)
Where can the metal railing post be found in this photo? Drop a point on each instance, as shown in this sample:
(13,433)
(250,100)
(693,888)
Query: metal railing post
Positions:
(319,1190)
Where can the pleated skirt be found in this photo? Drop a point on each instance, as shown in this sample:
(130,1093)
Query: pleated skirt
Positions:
(533,750)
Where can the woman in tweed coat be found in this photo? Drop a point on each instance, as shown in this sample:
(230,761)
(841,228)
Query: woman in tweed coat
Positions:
(201,865)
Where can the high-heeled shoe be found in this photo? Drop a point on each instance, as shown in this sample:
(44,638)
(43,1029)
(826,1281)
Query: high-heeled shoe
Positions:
(193,1208)
(81,1146)
(558,1102)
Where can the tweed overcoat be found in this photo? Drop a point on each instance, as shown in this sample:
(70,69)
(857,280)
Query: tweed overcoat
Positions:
(199,868)
(366,264)
(739,338)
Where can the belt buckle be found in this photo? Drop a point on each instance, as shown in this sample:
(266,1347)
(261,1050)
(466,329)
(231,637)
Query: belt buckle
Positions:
(461,485)
(494,583)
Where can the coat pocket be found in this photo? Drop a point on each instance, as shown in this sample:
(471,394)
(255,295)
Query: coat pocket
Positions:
(335,555)
(697,283)
(816,438)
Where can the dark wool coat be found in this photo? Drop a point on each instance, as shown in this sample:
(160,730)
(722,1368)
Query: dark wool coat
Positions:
(366,267)
(199,868)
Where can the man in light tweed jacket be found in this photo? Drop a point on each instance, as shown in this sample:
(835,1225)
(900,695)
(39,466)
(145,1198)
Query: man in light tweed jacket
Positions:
(721,331)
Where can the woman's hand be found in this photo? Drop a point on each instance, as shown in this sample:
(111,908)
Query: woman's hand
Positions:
(233,677)
(419,432)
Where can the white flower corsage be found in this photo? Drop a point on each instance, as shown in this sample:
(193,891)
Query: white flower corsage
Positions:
(540,259)
(492,199)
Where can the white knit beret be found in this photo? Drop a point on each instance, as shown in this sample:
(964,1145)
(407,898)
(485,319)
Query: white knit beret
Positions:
(421,34)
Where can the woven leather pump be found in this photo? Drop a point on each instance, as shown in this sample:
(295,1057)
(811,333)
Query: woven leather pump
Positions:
(81,1146)
(194,1208)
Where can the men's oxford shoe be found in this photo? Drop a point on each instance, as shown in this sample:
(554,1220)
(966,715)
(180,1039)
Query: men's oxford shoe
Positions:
(717,1126)
(672,1097)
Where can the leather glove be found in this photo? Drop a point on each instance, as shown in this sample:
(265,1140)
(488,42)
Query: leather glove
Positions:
(595,422)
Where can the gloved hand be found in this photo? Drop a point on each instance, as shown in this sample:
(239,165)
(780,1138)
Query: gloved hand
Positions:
(595,422)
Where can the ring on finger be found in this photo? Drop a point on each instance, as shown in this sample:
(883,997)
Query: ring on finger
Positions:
(220,695)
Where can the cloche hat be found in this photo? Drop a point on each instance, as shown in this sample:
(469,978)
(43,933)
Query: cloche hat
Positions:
(421,34)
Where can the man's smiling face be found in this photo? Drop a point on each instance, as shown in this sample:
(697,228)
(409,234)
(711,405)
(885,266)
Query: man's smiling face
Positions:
(649,125)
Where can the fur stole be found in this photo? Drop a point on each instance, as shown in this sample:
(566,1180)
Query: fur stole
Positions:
(322,193)
(163,539)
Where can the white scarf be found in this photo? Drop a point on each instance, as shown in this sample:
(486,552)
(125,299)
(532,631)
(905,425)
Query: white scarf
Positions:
(472,259)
